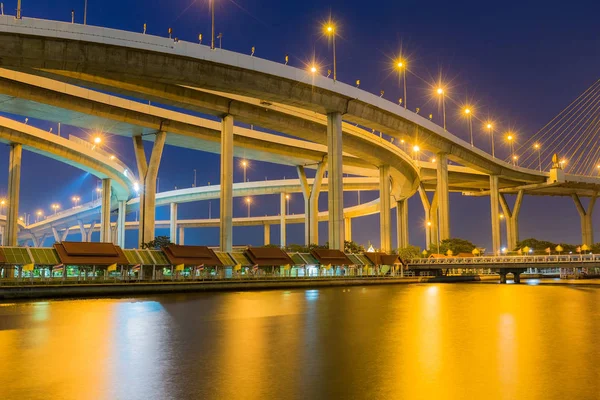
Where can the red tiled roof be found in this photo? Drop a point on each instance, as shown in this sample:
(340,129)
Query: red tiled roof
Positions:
(86,253)
(192,255)
(268,256)
(333,257)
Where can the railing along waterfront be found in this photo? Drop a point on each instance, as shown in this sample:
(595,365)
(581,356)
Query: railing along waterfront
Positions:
(508,260)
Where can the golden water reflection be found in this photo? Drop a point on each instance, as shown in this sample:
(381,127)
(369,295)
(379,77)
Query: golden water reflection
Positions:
(468,341)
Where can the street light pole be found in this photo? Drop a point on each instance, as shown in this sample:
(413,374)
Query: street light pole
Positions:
(330,29)
(212,13)
(537,147)
(440,91)
(248,202)
(85,13)
(194,178)
(469,122)
(491,131)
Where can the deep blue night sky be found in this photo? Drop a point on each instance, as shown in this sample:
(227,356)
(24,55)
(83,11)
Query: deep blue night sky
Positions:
(520,62)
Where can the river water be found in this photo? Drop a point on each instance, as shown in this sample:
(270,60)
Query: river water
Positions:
(425,341)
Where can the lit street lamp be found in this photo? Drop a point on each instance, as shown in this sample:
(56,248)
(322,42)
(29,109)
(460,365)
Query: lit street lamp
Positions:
(510,138)
(468,113)
(38,215)
(2,205)
(244,166)
(401,65)
(55,207)
(330,30)
(248,202)
(538,147)
(287,199)
(76,200)
(440,92)
(490,129)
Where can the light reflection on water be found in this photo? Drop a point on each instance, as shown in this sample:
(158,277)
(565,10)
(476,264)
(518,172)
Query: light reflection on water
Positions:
(464,341)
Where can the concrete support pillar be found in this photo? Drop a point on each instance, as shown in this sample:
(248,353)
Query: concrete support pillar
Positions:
(267,234)
(587,228)
(512,219)
(226,220)
(105,212)
(90,231)
(148,174)
(311,203)
(11,229)
(348,229)
(443,196)
(335,181)
(82,230)
(181,236)
(402,223)
(173,223)
(431,231)
(283,212)
(65,234)
(56,235)
(121,223)
(494,199)
(114,234)
(385,217)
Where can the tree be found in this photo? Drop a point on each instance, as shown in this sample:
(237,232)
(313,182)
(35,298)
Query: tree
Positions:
(300,248)
(158,243)
(352,247)
(406,253)
(456,245)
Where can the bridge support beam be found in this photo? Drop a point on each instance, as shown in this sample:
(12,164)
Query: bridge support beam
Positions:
(173,223)
(335,181)
(385,217)
(121,223)
(512,219)
(105,212)
(348,229)
(283,212)
(587,228)
(181,236)
(443,196)
(494,199)
(267,234)
(90,231)
(311,203)
(402,223)
(430,208)
(226,220)
(11,229)
(148,172)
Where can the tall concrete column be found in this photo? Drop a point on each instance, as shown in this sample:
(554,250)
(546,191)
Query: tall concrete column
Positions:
(494,199)
(267,234)
(148,172)
(181,236)
(443,196)
(11,230)
(311,203)
(348,229)
(385,217)
(430,208)
(512,219)
(335,181)
(587,228)
(402,223)
(82,230)
(226,220)
(173,223)
(283,212)
(105,212)
(121,223)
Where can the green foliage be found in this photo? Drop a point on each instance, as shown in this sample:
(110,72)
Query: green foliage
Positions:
(455,244)
(352,247)
(538,246)
(409,252)
(299,248)
(158,243)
